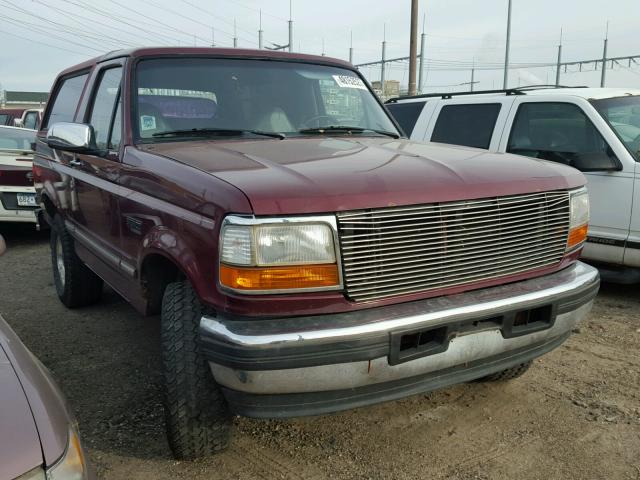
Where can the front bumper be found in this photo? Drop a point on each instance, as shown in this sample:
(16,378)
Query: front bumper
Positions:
(324,363)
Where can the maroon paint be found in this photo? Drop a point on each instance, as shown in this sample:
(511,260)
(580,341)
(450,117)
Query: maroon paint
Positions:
(179,192)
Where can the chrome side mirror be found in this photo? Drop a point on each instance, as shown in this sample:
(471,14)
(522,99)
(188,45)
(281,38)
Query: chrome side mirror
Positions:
(71,137)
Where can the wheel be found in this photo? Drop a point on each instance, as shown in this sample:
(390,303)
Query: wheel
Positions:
(508,374)
(197,417)
(76,285)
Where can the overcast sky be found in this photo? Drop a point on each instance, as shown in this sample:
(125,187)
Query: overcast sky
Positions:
(41,37)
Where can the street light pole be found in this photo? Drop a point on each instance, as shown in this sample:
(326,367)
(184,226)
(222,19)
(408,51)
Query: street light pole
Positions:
(413,47)
(506,53)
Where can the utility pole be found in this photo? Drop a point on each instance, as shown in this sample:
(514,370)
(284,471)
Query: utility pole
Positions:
(213,37)
(506,52)
(260,32)
(290,29)
(559,60)
(422,42)
(413,47)
(235,34)
(384,51)
(473,74)
(323,47)
(604,57)
(351,49)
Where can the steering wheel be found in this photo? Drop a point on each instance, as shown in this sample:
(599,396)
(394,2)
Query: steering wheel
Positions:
(306,122)
(635,144)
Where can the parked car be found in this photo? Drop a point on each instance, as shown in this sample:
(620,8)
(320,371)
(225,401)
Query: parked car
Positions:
(17,193)
(38,434)
(31,119)
(302,256)
(596,130)
(8,116)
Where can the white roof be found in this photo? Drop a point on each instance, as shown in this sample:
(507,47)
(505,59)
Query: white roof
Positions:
(588,93)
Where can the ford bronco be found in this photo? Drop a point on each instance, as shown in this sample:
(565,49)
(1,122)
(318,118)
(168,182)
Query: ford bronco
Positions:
(302,255)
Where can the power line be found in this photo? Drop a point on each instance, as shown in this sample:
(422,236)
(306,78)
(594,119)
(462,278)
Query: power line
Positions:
(41,43)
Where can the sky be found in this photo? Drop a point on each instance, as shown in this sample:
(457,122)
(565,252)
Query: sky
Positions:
(39,38)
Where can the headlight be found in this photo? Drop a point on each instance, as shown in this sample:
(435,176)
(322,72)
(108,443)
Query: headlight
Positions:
(579,219)
(270,255)
(72,465)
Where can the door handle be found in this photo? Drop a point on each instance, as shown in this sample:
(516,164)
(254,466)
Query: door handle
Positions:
(75,163)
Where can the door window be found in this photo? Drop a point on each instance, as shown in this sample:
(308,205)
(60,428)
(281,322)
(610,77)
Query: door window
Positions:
(105,106)
(406,114)
(66,101)
(560,132)
(469,125)
(31,120)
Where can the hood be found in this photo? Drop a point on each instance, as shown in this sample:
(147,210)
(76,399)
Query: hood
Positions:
(328,174)
(19,442)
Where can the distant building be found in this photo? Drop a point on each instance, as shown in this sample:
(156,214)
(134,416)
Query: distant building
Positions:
(12,99)
(391,89)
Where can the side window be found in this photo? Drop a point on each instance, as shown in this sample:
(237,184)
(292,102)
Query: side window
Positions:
(66,101)
(105,104)
(116,130)
(406,114)
(30,120)
(560,132)
(469,125)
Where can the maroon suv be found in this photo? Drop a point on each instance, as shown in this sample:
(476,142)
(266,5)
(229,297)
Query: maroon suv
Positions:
(303,256)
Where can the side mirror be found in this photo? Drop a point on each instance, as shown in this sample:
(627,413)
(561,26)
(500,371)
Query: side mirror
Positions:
(17,122)
(597,162)
(72,137)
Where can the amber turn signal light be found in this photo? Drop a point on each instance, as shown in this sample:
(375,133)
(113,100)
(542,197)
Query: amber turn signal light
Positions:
(577,235)
(279,278)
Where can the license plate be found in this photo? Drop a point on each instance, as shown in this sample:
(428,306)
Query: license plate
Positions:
(26,199)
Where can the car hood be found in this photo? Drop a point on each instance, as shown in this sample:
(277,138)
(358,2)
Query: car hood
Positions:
(43,434)
(19,442)
(327,174)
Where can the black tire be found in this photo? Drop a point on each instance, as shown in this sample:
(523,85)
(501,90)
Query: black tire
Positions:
(197,417)
(76,285)
(508,374)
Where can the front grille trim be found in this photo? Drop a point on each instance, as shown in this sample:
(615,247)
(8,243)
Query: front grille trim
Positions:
(401,250)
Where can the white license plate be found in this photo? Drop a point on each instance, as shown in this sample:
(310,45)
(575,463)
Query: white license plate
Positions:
(26,199)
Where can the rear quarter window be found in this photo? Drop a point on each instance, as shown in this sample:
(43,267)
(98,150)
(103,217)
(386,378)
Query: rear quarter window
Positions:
(468,125)
(65,104)
(406,114)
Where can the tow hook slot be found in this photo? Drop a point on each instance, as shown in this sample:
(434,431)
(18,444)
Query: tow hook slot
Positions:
(414,343)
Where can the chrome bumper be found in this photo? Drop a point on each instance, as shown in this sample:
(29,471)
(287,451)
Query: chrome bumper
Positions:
(355,352)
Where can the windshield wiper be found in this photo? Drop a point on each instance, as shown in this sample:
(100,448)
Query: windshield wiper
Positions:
(345,128)
(217,131)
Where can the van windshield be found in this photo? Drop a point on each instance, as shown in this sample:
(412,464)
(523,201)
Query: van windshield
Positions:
(186,97)
(623,114)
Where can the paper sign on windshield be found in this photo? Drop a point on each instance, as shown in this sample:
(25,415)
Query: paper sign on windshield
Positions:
(347,81)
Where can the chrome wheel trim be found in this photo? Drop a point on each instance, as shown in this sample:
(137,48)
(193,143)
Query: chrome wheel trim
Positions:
(60,261)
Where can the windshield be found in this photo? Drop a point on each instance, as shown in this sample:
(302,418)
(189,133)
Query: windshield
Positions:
(16,138)
(623,114)
(249,97)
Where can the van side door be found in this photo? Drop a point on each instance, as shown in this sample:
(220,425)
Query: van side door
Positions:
(571,132)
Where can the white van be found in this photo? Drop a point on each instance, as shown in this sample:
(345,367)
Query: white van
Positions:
(596,130)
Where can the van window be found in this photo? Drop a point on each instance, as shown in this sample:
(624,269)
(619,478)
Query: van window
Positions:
(406,114)
(560,132)
(66,101)
(469,125)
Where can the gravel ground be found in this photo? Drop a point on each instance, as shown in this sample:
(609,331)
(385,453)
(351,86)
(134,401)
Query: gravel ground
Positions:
(574,415)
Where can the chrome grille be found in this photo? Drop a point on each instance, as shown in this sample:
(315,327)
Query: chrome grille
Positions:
(400,250)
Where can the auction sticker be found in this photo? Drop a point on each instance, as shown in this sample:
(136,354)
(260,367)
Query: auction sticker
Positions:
(347,81)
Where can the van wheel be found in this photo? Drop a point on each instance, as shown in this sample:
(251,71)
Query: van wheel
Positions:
(197,417)
(508,374)
(76,285)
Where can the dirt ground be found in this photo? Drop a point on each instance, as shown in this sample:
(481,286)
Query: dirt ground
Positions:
(574,415)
